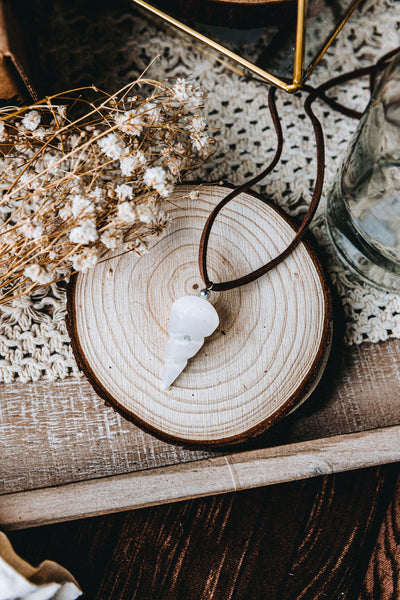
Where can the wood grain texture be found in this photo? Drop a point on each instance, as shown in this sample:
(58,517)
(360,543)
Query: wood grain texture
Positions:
(212,476)
(54,433)
(304,540)
(57,433)
(265,357)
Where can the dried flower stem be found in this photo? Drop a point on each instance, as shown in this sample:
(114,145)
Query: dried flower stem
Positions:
(72,188)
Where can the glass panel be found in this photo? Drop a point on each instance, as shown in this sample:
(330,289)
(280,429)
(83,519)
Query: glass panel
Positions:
(323,17)
(265,36)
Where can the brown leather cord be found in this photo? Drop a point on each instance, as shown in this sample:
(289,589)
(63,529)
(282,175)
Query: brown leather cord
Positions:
(371,70)
(314,93)
(243,188)
(229,285)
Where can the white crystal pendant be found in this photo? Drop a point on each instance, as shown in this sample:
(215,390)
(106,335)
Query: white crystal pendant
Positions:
(192,319)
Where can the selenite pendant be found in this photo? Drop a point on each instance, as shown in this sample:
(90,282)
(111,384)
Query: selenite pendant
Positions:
(192,319)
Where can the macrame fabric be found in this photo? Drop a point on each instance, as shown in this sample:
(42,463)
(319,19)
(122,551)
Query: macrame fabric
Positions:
(112,46)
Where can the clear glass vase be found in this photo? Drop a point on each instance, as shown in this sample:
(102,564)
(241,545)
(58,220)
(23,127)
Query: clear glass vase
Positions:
(363,210)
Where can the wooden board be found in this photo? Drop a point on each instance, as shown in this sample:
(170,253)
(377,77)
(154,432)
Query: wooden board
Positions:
(15,83)
(8,85)
(58,438)
(217,475)
(265,357)
(298,541)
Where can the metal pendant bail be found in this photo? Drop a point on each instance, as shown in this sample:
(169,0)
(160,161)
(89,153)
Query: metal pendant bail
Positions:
(205,293)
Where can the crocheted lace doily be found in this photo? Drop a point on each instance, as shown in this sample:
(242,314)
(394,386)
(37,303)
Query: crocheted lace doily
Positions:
(111,48)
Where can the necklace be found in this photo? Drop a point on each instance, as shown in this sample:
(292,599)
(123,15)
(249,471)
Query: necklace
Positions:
(194,318)
(275,334)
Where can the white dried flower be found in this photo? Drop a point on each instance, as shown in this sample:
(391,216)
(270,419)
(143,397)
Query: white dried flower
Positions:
(26,180)
(84,234)
(201,143)
(149,213)
(181,90)
(41,133)
(150,114)
(86,260)
(27,229)
(9,237)
(112,145)
(194,194)
(111,238)
(73,141)
(65,212)
(132,163)
(49,162)
(82,206)
(31,120)
(138,246)
(3,132)
(81,188)
(157,178)
(32,231)
(124,192)
(126,213)
(180,148)
(197,125)
(38,274)
(97,195)
(175,164)
(140,157)
(186,91)
(129,122)
(62,111)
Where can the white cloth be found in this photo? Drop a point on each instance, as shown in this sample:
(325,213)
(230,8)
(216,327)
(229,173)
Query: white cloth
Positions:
(20,581)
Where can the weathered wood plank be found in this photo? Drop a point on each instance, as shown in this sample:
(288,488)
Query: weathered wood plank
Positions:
(190,480)
(61,432)
(363,393)
(54,433)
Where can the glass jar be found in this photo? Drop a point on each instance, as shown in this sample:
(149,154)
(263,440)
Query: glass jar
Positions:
(363,211)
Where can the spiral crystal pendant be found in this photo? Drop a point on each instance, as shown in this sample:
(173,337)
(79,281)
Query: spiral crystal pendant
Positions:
(192,319)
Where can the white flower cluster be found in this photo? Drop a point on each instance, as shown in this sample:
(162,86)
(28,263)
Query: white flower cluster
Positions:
(71,190)
(187,91)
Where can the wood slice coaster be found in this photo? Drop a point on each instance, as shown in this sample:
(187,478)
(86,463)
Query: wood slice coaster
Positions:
(265,358)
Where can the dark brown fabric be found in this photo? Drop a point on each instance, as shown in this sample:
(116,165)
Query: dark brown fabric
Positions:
(382,580)
(306,540)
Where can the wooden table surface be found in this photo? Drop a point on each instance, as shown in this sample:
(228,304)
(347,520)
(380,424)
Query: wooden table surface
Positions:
(332,537)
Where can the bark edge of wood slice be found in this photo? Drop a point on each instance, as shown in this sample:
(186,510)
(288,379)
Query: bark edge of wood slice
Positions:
(265,358)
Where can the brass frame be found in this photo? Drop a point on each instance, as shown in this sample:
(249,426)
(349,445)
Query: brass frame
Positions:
(299,73)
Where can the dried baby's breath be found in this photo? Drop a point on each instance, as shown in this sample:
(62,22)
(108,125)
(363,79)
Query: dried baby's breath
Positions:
(83,172)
